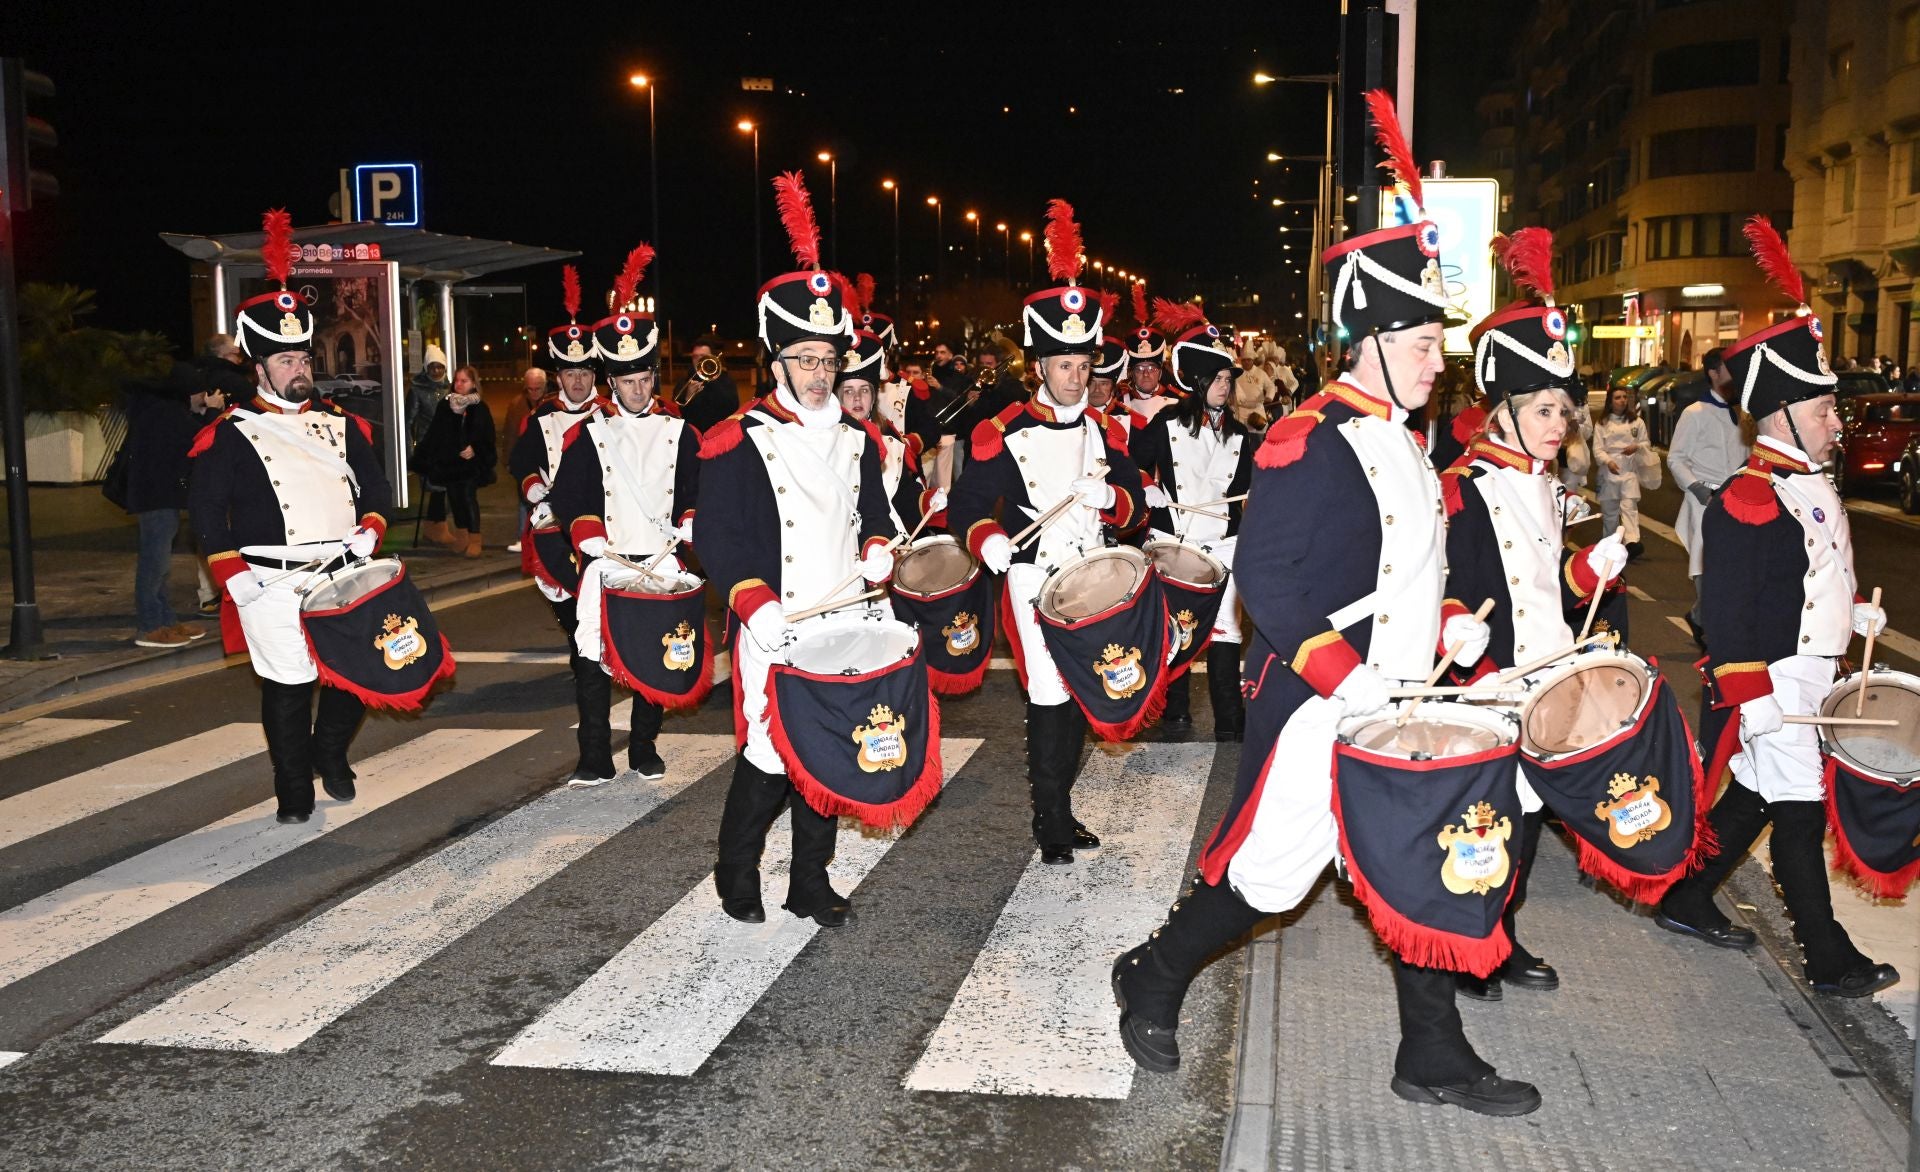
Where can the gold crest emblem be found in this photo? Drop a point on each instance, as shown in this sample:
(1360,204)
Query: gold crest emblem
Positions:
(963,634)
(1120,672)
(679,655)
(1476,861)
(882,741)
(290,325)
(575,351)
(1820,357)
(1431,280)
(1073,329)
(1557,354)
(820,315)
(627,348)
(1185,623)
(400,641)
(1634,811)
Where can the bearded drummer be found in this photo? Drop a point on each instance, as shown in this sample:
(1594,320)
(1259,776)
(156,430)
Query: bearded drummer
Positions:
(1506,522)
(859,388)
(535,464)
(627,484)
(1341,569)
(1778,602)
(796,485)
(1197,452)
(280,482)
(1025,459)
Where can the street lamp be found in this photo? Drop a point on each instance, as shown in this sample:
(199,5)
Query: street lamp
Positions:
(1328,224)
(1265,79)
(939,241)
(1026,238)
(833,206)
(747,126)
(641,81)
(973,218)
(1006,252)
(890,185)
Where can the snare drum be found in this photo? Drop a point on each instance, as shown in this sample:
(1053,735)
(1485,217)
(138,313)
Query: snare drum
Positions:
(653,635)
(370,633)
(1195,582)
(1588,700)
(1891,755)
(1104,618)
(939,587)
(1428,811)
(850,712)
(1873,804)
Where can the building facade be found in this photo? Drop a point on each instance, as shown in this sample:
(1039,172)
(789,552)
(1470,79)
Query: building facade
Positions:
(1855,162)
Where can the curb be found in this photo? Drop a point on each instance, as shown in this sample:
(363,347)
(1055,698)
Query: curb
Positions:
(207,655)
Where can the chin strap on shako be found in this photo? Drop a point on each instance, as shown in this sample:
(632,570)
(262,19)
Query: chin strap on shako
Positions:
(1380,352)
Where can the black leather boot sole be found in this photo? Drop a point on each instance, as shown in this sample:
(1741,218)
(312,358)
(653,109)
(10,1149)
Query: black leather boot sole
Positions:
(1489,1095)
(1861,982)
(1729,936)
(1153,1047)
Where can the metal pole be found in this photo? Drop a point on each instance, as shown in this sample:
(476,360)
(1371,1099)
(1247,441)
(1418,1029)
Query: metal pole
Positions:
(26,636)
(833,209)
(896,250)
(653,157)
(939,244)
(757,253)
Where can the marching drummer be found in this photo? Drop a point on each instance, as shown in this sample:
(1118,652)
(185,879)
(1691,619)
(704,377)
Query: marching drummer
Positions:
(1142,392)
(1029,457)
(1778,603)
(858,388)
(1342,573)
(799,485)
(627,483)
(1109,368)
(279,483)
(1506,527)
(535,463)
(1197,452)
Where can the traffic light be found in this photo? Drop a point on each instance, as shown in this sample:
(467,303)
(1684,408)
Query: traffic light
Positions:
(30,137)
(1575,327)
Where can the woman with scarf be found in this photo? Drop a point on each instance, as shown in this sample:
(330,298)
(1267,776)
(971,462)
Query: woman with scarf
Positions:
(457,452)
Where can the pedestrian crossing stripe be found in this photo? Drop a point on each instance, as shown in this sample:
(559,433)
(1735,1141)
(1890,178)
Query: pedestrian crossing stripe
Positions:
(40,732)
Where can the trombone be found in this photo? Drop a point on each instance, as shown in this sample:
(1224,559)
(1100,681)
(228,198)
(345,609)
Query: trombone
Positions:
(706,368)
(986,378)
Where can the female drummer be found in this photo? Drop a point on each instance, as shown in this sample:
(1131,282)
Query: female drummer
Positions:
(1619,440)
(858,388)
(1506,528)
(1196,451)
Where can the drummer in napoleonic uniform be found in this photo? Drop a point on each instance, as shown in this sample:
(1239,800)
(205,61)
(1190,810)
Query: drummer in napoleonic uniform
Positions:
(1196,451)
(1109,367)
(323,495)
(794,501)
(1779,603)
(1025,459)
(535,463)
(1342,572)
(627,483)
(1507,515)
(858,388)
(1143,392)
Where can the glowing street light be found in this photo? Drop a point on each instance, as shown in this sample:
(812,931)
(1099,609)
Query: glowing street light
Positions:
(748,126)
(833,206)
(890,185)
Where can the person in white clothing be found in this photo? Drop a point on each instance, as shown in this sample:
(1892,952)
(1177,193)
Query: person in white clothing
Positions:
(1705,451)
(1618,441)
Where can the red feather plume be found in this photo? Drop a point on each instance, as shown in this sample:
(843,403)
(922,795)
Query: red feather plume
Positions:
(1174,317)
(849,296)
(1527,255)
(796,215)
(1771,253)
(863,285)
(627,284)
(570,290)
(1393,140)
(1109,305)
(1140,303)
(1064,254)
(276,249)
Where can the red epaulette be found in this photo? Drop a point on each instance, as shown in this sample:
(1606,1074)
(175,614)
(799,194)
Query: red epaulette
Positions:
(667,407)
(990,435)
(873,433)
(1750,498)
(1450,487)
(915,445)
(1467,424)
(1116,435)
(1286,440)
(724,437)
(204,439)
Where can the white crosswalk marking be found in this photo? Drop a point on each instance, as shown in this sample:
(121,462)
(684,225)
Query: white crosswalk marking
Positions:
(290,990)
(84,794)
(532,657)
(29,735)
(672,995)
(9,1057)
(61,923)
(1034,1016)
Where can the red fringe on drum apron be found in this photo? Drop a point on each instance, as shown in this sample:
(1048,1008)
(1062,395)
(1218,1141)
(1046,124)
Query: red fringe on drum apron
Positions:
(402,702)
(1883,884)
(1418,944)
(946,683)
(671,701)
(531,565)
(896,814)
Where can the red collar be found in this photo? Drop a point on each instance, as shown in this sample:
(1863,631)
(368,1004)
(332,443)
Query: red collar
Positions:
(1044,412)
(260,404)
(1767,459)
(1358,399)
(1505,457)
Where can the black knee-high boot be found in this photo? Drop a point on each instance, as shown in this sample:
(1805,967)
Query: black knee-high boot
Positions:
(1435,1063)
(593,699)
(1800,868)
(286,716)
(809,894)
(1177,716)
(1737,819)
(1071,745)
(1150,980)
(642,756)
(1223,683)
(1053,731)
(333,731)
(753,801)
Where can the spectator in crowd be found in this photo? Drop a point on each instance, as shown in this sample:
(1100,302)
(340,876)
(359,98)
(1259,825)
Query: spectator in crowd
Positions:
(1619,441)
(533,391)
(950,369)
(161,426)
(1253,391)
(424,393)
(707,401)
(456,451)
(1006,386)
(223,381)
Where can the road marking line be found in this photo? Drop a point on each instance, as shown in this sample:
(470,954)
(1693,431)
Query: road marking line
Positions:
(1034,1016)
(536,657)
(283,994)
(61,923)
(47,730)
(670,997)
(1680,623)
(9,1057)
(70,799)
(1642,595)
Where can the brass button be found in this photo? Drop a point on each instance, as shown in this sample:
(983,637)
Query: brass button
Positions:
(780,488)
(1373,471)
(789,523)
(1809,606)
(1520,613)
(1383,620)
(1496,510)
(1513,581)
(1806,638)
(1522,647)
(789,594)
(1506,545)
(789,559)
(283,508)
(1030,484)
(1389,518)
(1386,569)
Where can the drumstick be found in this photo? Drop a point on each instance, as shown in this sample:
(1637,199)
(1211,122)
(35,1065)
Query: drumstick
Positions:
(1866,664)
(1446,661)
(1582,520)
(1199,510)
(1044,519)
(892,543)
(316,562)
(824,607)
(1225,500)
(1841,721)
(1474,691)
(1599,592)
(1514,673)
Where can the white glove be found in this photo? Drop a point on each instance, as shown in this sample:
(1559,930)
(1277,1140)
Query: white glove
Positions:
(1469,633)
(937,501)
(1157,497)
(768,626)
(1868,619)
(593,547)
(361,542)
(244,587)
(1577,508)
(877,566)
(541,517)
(536,492)
(684,531)
(1607,558)
(1363,691)
(996,553)
(1095,491)
(1761,716)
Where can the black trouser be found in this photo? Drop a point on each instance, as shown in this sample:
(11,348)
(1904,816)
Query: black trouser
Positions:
(1055,735)
(592,697)
(436,504)
(463,497)
(1523,856)
(297,742)
(1433,1044)
(753,802)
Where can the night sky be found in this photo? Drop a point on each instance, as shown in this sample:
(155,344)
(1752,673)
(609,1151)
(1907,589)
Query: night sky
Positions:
(529,131)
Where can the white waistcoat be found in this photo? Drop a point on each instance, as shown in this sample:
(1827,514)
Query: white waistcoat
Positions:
(1411,579)
(555,427)
(638,457)
(1050,459)
(305,454)
(1525,509)
(1826,619)
(1203,467)
(815,474)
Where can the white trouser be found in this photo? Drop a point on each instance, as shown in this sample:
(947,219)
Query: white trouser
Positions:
(586,631)
(750,664)
(1786,766)
(1044,685)
(1619,511)
(1294,835)
(275,642)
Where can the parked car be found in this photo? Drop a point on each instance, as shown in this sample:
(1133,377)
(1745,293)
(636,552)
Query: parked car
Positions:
(1664,400)
(1875,432)
(1860,382)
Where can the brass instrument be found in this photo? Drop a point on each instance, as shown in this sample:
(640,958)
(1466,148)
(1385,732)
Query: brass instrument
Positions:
(982,382)
(706,368)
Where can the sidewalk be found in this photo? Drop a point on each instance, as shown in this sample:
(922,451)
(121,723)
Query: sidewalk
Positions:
(84,554)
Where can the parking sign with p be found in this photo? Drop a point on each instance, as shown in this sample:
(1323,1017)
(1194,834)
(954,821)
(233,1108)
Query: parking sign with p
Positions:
(387,193)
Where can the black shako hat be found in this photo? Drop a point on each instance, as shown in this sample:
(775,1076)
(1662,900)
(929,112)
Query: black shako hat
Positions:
(571,346)
(628,339)
(279,319)
(1522,348)
(1064,319)
(1389,279)
(1786,362)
